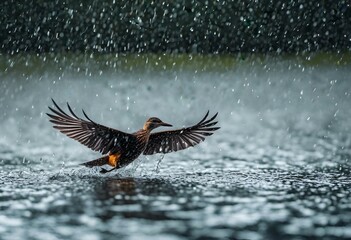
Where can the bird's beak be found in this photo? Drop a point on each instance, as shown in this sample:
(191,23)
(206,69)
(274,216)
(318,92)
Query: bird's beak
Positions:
(165,124)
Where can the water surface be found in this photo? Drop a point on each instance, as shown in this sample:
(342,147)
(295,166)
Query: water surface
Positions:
(278,168)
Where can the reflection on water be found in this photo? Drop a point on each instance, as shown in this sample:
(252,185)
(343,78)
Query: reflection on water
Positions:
(278,168)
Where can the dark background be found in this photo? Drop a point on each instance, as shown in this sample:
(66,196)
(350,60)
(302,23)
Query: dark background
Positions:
(175,26)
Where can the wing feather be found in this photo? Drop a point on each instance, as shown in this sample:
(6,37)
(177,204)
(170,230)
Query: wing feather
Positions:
(95,136)
(175,140)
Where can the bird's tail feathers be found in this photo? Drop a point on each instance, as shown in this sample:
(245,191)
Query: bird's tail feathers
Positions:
(97,162)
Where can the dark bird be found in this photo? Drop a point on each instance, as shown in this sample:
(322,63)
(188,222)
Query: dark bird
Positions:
(122,148)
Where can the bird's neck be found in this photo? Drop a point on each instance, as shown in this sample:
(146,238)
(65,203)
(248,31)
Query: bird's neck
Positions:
(143,134)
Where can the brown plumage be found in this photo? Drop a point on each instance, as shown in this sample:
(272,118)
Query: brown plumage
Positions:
(123,148)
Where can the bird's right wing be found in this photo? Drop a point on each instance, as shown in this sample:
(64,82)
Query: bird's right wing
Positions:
(95,136)
(172,141)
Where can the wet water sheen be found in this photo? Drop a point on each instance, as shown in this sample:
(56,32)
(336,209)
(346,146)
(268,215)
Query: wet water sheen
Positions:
(278,168)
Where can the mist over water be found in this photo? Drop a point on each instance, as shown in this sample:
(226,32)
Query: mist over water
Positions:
(278,167)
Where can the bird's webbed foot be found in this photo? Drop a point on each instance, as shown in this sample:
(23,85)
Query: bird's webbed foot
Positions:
(103,170)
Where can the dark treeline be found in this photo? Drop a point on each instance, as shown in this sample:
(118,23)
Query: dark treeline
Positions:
(175,26)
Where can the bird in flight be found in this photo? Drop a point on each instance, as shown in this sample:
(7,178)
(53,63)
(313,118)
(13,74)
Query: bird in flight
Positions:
(120,148)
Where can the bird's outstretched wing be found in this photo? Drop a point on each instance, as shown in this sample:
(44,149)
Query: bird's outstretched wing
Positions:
(95,136)
(172,141)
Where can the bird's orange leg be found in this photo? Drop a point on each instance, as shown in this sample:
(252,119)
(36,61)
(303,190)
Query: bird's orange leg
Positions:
(112,161)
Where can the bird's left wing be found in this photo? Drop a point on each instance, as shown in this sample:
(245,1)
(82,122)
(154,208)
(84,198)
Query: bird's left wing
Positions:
(172,141)
(95,136)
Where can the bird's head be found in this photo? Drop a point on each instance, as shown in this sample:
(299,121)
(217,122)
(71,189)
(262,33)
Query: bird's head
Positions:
(153,123)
